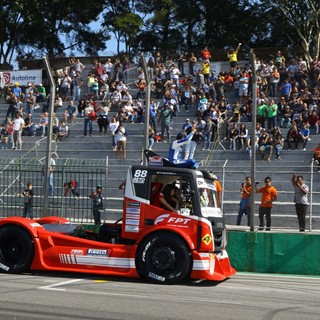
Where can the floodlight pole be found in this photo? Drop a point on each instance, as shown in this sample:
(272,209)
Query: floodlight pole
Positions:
(147,106)
(47,162)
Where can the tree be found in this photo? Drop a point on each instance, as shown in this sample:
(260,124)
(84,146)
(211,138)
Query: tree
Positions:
(304,18)
(49,27)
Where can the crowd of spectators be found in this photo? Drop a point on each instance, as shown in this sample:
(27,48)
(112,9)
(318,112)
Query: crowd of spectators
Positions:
(288,100)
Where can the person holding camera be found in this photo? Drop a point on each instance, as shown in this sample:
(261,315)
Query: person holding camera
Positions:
(269,195)
(301,191)
(245,201)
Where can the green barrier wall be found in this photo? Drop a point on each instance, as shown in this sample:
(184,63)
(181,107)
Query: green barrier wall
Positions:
(274,252)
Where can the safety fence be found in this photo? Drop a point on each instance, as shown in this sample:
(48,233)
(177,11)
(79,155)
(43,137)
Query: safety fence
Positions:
(16,173)
(283,214)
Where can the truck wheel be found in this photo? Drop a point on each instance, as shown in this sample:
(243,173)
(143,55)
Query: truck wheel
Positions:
(164,258)
(16,249)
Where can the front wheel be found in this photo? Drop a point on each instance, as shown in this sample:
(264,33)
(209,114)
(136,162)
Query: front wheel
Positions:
(16,249)
(164,258)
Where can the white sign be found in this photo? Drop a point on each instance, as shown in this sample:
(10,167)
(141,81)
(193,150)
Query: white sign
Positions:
(23,77)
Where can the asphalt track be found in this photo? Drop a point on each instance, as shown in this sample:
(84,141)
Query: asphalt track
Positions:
(244,296)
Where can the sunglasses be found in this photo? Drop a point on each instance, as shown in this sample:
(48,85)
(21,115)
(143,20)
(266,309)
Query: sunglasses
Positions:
(266,181)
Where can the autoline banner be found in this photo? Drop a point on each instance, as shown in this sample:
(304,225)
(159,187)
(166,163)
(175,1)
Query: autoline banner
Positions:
(23,77)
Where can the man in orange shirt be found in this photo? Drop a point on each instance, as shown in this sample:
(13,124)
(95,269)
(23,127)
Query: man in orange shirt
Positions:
(316,155)
(245,201)
(269,195)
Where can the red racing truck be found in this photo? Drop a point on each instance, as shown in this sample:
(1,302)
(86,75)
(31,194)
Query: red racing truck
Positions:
(150,241)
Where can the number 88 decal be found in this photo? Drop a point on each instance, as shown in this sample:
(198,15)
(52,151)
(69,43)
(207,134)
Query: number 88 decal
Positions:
(140,173)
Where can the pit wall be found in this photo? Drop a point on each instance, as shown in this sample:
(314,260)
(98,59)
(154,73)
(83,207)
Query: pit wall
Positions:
(268,252)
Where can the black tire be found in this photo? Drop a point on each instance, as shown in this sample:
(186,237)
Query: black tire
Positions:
(164,258)
(16,249)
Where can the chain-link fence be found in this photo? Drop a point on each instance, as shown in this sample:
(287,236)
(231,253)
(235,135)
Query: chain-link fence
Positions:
(16,173)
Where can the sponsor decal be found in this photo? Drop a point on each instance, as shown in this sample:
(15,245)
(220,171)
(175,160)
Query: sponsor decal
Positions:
(204,254)
(133,204)
(133,222)
(207,239)
(161,218)
(77,251)
(133,210)
(132,216)
(4,267)
(132,229)
(97,252)
(23,77)
(179,220)
(156,276)
(155,161)
(138,180)
(145,251)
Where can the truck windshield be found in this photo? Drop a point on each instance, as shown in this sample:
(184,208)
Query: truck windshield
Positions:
(209,199)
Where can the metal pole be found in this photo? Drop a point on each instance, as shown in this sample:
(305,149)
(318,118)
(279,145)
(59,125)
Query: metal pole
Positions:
(311,195)
(147,106)
(253,137)
(49,138)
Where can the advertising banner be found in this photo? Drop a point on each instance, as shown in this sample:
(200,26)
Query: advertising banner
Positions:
(23,77)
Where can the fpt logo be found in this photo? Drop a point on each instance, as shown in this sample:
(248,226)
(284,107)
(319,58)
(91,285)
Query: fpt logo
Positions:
(161,218)
(7,78)
(173,220)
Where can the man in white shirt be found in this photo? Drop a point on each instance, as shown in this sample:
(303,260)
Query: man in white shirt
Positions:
(18,125)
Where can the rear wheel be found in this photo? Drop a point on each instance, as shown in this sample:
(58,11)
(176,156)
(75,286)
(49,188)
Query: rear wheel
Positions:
(164,258)
(16,249)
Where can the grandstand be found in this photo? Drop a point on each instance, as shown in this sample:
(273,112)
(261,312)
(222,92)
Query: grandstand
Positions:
(92,160)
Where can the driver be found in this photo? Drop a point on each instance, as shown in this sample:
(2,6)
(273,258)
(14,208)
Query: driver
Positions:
(167,198)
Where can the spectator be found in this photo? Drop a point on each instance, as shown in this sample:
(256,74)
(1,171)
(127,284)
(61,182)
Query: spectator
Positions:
(165,120)
(52,168)
(181,60)
(304,135)
(192,62)
(72,185)
(272,110)
(70,112)
(243,86)
(243,136)
(103,119)
(207,133)
(89,116)
(206,53)
(113,127)
(28,129)
(28,201)
(41,93)
(18,125)
(96,196)
(233,136)
(151,137)
(58,103)
(278,142)
(121,140)
(244,206)
(206,70)
(293,136)
(78,83)
(193,142)
(175,151)
(286,116)
(16,90)
(233,56)
(274,79)
(108,67)
(153,114)
(81,107)
(269,195)
(313,121)
(316,156)
(301,191)
(42,125)
(286,90)
(65,85)
(63,130)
